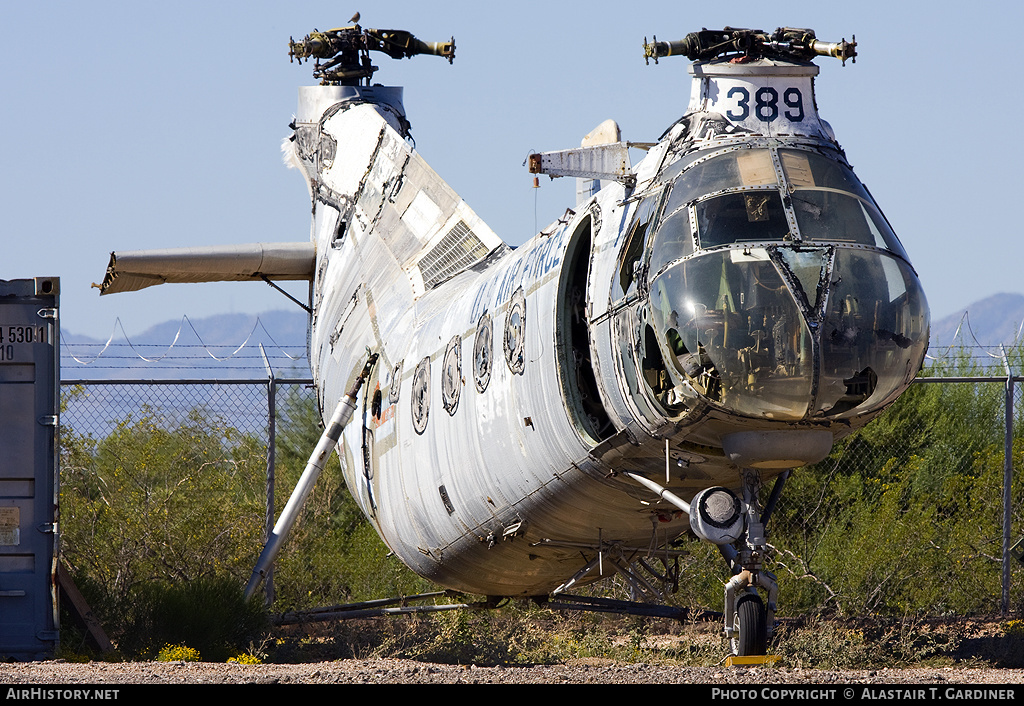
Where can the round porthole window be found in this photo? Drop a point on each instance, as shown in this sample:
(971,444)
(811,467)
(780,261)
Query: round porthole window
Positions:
(420,401)
(515,333)
(482,346)
(451,375)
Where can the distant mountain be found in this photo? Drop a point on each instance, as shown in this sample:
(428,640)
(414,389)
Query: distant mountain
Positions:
(989,322)
(221,346)
(227,345)
(221,329)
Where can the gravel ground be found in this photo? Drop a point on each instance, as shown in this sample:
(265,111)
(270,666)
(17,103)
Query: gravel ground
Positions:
(982,644)
(397,671)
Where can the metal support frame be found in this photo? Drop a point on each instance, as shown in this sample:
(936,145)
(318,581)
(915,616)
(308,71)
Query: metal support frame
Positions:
(1007,482)
(268,590)
(373,609)
(629,562)
(1007,495)
(328,440)
(565,601)
(613,554)
(403,605)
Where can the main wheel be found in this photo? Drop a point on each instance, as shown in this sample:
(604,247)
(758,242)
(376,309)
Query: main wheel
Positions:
(751,626)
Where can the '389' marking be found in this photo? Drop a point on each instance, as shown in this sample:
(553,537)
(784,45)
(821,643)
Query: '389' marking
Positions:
(766,106)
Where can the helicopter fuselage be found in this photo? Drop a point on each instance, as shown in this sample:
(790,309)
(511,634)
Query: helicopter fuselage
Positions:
(736,304)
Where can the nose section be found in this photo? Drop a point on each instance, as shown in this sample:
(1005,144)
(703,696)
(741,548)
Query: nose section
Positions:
(734,333)
(788,333)
(874,333)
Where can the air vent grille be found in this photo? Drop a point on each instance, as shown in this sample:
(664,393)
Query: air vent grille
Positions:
(456,251)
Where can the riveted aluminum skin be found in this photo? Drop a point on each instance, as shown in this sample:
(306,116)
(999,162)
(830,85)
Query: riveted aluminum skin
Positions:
(712,316)
(406,269)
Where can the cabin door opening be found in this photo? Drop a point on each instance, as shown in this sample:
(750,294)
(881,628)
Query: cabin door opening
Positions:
(577,371)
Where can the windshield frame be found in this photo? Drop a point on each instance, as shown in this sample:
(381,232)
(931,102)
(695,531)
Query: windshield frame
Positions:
(699,179)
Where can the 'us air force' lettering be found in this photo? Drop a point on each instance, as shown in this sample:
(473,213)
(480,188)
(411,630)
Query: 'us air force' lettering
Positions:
(548,256)
(545,256)
(766,104)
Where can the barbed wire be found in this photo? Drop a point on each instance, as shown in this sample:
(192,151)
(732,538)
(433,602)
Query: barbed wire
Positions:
(965,346)
(166,355)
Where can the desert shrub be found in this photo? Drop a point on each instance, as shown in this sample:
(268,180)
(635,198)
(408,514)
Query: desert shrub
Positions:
(209,615)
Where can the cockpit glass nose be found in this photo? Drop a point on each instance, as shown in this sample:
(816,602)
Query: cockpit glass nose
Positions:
(847,331)
(735,334)
(874,334)
(777,288)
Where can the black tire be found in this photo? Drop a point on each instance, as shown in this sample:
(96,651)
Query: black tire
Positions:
(751,624)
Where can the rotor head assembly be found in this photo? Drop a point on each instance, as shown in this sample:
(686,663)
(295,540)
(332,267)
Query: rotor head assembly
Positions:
(784,43)
(342,55)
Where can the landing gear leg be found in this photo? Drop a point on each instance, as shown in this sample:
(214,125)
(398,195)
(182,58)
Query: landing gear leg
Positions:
(748,621)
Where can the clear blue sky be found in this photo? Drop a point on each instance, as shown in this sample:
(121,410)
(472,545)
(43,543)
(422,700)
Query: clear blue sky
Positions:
(133,125)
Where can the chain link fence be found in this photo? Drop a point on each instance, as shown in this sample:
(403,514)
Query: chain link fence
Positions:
(167,479)
(918,512)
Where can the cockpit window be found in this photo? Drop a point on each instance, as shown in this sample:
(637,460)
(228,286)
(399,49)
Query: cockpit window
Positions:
(831,204)
(808,170)
(746,216)
(739,195)
(751,215)
(674,240)
(634,244)
(834,216)
(745,167)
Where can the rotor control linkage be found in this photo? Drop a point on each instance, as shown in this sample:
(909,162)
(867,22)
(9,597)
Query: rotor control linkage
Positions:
(346,51)
(783,43)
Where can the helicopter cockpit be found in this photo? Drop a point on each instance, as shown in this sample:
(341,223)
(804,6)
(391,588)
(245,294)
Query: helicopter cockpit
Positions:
(777,288)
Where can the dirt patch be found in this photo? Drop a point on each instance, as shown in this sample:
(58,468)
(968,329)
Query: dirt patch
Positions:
(400,671)
(928,652)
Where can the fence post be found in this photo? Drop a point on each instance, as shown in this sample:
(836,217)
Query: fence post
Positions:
(271,454)
(1007,481)
(1007,495)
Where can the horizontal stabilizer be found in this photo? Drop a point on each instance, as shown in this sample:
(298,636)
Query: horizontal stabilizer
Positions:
(132,270)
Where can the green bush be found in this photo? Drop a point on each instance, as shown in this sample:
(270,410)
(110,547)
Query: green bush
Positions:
(151,504)
(905,516)
(903,519)
(156,513)
(178,653)
(209,615)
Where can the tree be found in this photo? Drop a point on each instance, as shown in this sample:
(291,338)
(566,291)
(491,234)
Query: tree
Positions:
(148,504)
